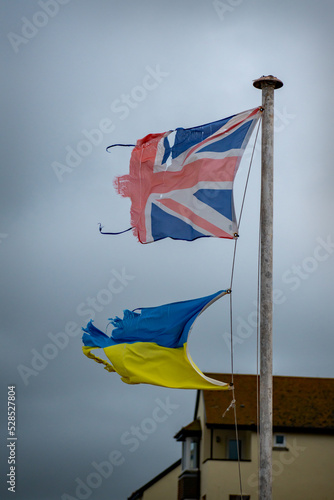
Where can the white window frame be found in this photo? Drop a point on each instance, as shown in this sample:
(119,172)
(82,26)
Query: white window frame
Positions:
(186,453)
(279,445)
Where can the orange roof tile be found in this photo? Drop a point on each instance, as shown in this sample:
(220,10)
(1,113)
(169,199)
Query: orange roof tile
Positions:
(298,402)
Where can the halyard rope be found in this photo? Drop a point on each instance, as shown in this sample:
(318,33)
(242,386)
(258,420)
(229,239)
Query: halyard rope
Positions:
(233,403)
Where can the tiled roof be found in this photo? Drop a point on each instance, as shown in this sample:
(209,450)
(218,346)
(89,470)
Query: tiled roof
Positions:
(192,429)
(298,402)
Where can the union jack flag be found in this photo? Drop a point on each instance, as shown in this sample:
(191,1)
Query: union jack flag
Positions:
(181,182)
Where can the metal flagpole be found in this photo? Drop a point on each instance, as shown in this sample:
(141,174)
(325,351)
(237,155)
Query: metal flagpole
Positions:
(267,84)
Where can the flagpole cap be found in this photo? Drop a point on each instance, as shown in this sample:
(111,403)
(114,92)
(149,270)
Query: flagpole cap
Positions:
(269,80)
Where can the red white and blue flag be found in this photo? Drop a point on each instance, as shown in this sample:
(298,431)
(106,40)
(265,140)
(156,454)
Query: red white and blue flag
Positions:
(181,182)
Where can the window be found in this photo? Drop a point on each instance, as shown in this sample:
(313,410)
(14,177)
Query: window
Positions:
(279,441)
(193,459)
(190,454)
(233,449)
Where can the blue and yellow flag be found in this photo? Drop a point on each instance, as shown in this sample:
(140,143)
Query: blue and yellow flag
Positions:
(150,346)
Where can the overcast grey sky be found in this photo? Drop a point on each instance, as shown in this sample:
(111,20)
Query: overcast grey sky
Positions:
(78,75)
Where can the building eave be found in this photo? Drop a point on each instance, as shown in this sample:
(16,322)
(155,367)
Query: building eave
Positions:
(191,430)
(276,428)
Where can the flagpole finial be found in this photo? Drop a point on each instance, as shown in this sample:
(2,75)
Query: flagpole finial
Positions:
(270,80)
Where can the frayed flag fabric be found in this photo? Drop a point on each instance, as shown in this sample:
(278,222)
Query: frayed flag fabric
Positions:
(181,182)
(151,346)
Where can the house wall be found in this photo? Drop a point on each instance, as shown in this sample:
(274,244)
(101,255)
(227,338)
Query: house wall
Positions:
(205,439)
(165,488)
(219,479)
(302,471)
(220,440)
(306,471)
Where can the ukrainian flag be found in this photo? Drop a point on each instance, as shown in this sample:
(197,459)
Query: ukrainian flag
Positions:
(150,346)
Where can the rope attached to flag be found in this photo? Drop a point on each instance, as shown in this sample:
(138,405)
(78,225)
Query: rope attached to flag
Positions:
(120,232)
(124,145)
(101,227)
